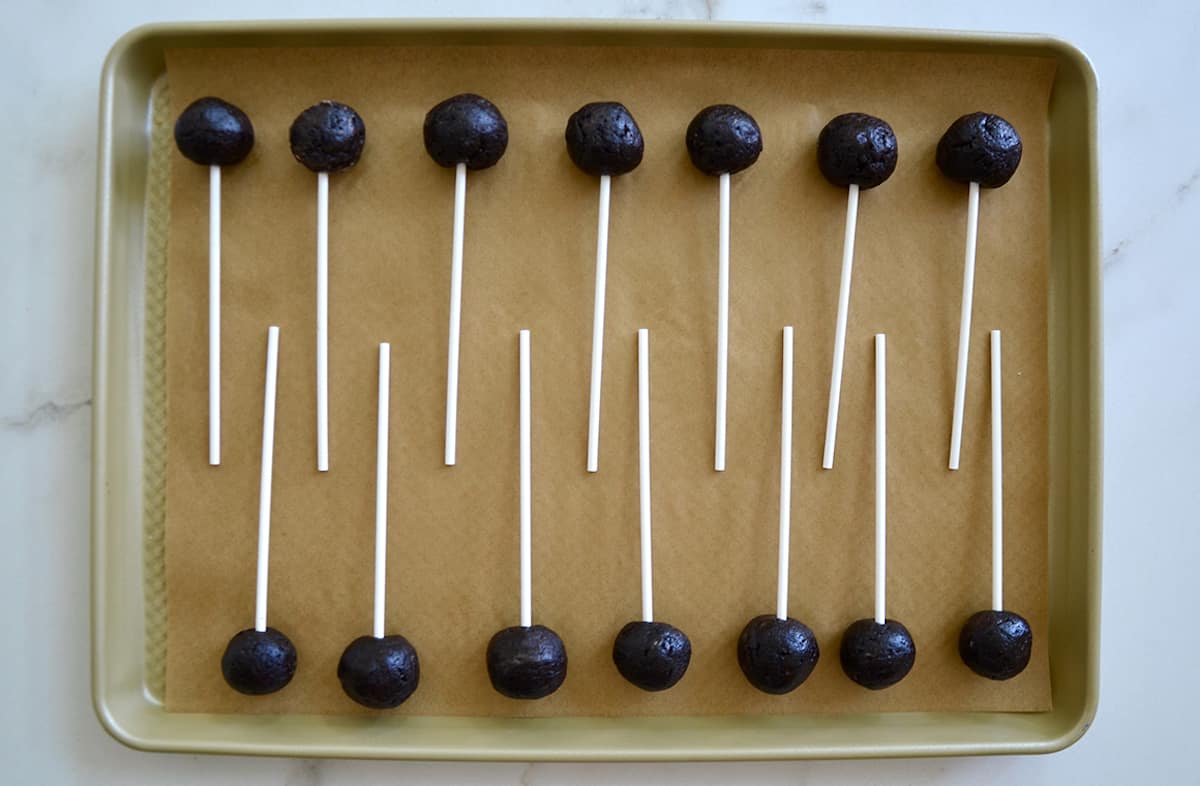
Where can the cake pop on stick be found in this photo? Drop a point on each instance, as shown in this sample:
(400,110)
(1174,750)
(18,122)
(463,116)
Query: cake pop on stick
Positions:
(214,133)
(979,149)
(604,140)
(464,132)
(996,643)
(326,137)
(379,671)
(877,653)
(527,661)
(722,140)
(776,652)
(652,655)
(856,151)
(262,660)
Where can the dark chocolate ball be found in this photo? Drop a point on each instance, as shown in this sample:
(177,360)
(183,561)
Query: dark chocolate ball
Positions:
(328,137)
(996,644)
(211,131)
(466,129)
(777,655)
(258,662)
(652,655)
(604,139)
(980,148)
(856,149)
(379,673)
(877,656)
(723,138)
(526,663)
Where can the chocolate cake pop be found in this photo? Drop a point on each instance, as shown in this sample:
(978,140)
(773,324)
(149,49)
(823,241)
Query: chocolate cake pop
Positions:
(777,653)
(465,131)
(723,140)
(979,149)
(526,661)
(995,643)
(856,151)
(262,660)
(214,133)
(326,137)
(380,671)
(652,655)
(603,139)
(877,653)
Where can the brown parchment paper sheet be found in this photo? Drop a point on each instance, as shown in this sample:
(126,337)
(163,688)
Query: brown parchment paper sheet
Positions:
(529,263)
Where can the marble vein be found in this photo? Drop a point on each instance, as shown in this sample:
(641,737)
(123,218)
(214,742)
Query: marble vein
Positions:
(1181,195)
(46,412)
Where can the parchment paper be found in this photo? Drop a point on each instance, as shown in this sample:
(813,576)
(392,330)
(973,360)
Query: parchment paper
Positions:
(530,245)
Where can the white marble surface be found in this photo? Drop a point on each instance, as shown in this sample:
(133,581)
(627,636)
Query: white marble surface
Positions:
(50,56)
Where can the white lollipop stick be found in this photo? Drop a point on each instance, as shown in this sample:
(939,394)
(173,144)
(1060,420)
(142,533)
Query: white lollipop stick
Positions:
(839,337)
(997,481)
(964,325)
(214,315)
(593,446)
(644,472)
(785,478)
(456,265)
(722,320)
(323,321)
(526,513)
(880,476)
(381,478)
(264,488)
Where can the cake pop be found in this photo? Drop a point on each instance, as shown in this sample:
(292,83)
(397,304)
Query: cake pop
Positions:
(856,151)
(721,141)
(526,661)
(652,655)
(979,149)
(995,643)
(604,140)
(326,137)
(877,653)
(465,131)
(776,652)
(215,134)
(262,660)
(380,671)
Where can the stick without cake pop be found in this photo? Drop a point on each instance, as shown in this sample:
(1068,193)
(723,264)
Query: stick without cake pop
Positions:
(644,474)
(381,480)
(326,137)
(723,140)
(465,131)
(602,139)
(526,490)
(981,150)
(651,655)
(857,151)
(264,490)
(785,478)
(997,480)
(261,659)
(214,133)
